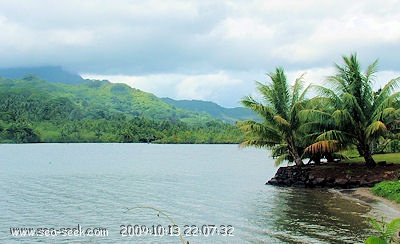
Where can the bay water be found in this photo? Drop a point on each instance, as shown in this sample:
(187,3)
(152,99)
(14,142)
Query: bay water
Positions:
(117,187)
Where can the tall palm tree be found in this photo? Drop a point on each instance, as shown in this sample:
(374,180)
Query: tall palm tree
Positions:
(279,129)
(361,116)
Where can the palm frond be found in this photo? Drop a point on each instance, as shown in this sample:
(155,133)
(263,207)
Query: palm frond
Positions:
(377,128)
(320,147)
(259,143)
(335,135)
(387,90)
(343,119)
(328,93)
(384,104)
(307,115)
(371,70)
(279,160)
(351,103)
(280,95)
(265,112)
(297,89)
(281,122)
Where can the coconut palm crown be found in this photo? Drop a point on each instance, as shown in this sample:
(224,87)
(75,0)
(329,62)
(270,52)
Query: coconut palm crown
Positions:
(361,116)
(279,129)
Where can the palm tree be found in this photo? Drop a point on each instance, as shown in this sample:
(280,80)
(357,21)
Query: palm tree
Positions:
(279,129)
(361,117)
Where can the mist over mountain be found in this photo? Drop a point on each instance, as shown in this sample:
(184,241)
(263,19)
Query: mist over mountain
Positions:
(54,74)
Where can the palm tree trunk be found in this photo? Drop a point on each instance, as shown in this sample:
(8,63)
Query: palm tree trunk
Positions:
(365,151)
(295,154)
(369,161)
(298,160)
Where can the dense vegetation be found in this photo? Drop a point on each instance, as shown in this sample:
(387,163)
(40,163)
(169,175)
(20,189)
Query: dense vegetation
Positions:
(34,110)
(347,115)
(388,189)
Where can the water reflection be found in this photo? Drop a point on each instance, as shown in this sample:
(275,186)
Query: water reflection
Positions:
(309,216)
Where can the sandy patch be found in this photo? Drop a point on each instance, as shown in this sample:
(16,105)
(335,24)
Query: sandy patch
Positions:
(380,207)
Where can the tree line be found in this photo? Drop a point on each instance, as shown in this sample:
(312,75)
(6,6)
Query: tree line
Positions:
(31,115)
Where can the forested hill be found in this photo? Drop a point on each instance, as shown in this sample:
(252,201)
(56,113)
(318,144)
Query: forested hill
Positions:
(56,74)
(96,99)
(229,115)
(34,110)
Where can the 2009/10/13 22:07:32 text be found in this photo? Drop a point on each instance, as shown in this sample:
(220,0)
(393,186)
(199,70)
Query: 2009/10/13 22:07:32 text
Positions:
(174,230)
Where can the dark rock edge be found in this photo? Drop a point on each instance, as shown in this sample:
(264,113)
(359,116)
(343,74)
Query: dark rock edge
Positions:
(312,176)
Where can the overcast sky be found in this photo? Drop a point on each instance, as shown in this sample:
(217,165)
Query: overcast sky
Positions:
(209,50)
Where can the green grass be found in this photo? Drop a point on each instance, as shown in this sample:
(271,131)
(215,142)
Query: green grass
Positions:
(388,157)
(388,189)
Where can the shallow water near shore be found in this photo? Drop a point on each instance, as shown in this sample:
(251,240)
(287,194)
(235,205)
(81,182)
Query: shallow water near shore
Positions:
(91,185)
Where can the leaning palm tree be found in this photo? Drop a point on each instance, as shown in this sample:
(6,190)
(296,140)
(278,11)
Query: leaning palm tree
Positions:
(361,116)
(279,129)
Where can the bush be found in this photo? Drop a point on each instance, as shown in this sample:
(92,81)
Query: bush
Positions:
(388,189)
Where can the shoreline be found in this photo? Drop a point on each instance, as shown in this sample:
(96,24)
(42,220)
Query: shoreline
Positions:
(380,207)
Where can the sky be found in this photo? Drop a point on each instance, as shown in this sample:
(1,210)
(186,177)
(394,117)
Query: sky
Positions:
(200,49)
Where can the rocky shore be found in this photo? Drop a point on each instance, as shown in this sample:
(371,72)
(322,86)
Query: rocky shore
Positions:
(336,175)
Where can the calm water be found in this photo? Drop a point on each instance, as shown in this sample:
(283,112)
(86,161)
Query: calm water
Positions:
(63,185)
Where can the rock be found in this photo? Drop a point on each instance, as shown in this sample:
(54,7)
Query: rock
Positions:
(272,181)
(341,182)
(299,184)
(318,182)
(338,175)
(353,183)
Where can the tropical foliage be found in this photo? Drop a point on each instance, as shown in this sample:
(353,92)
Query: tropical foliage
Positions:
(361,117)
(348,113)
(388,189)
(387,232)
(280,128)
(33,110)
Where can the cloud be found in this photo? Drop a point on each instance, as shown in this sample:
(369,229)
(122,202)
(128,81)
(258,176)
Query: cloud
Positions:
(224,88)
(221,87)
(203,48)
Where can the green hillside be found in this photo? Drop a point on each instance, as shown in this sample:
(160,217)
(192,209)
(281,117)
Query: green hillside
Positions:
(229,115)
(34,110)
(99,99)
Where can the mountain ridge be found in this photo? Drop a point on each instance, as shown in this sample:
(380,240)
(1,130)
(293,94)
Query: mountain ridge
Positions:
(55,74)
(229,115)
(58,75)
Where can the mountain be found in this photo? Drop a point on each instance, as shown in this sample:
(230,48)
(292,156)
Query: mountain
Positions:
(97,95)
(96,99)
(35,110)
(49,73)
(229,115)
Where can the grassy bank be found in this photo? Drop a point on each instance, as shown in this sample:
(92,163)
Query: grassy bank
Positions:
(388,157)
(388,189)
